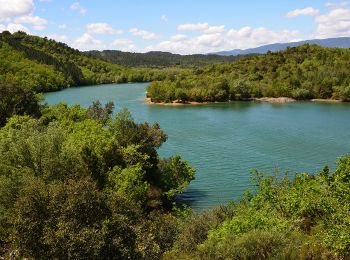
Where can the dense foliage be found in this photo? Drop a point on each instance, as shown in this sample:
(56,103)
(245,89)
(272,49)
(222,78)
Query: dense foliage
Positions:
(43,64)
(304,72)
(15,100)
(76,183)
(161,59)
(304,217)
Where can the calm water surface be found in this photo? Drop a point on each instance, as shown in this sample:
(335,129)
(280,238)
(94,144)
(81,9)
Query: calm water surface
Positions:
(224,142)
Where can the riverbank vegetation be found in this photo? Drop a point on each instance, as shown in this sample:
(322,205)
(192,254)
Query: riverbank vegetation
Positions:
(42,64)
(83,183)
(302,73)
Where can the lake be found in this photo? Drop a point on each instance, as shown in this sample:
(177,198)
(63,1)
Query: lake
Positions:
(224,142)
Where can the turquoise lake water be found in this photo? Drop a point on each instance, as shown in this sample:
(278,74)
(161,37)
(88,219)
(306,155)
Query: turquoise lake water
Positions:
(224,142)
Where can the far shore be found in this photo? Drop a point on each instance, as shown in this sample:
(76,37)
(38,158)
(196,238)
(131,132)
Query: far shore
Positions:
(278,100)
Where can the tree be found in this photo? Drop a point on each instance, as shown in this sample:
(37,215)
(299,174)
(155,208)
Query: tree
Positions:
(15,100)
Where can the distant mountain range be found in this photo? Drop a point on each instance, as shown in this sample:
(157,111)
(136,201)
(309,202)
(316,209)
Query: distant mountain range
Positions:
(341,42)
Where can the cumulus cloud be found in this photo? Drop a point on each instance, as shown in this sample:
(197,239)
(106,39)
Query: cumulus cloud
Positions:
(36,22)
(221,39)
(193,27)
(101,28)
(87,42)
(62,26)
(331,5)
(13,27)
(59,37)
(14,8)
(77,7)
(335,23)
(144,34)
(201,27)
(178,37)
(310,11)
(123,44)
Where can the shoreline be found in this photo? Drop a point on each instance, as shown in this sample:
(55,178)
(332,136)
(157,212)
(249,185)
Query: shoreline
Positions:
(279,100)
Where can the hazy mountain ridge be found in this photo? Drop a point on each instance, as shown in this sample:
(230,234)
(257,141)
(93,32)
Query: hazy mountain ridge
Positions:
(341,42)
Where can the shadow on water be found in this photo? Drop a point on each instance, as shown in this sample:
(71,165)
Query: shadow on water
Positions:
(190,197)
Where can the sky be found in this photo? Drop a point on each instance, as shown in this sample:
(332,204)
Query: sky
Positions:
(177,26)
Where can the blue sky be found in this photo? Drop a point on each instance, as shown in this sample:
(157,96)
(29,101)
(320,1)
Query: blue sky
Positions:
(179,26)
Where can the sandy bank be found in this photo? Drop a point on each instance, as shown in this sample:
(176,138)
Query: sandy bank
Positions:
(264,99)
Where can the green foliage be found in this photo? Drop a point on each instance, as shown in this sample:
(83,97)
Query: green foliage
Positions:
(75,183)
(160,59)
(42,64)
(15,100)
(303,72)
(305,217)
(174,175)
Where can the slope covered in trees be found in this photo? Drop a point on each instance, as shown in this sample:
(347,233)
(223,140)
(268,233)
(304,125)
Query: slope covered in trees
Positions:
(42,64)
(161,59)
(304,72)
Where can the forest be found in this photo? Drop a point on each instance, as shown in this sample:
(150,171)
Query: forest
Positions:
(302,73)
(43,65)
(80,183)
(158,59)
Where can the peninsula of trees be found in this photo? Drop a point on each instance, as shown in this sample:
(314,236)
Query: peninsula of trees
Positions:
(304,72)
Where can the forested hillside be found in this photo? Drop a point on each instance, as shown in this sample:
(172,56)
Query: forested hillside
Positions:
(161,59)
(304,72)
(43,64)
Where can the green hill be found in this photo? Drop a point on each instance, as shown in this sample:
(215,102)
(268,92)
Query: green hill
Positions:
(303,72)
(42,64)
(161,59)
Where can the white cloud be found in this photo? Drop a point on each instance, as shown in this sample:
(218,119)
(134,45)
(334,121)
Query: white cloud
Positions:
(310,11)
(123,44)
(58,37)
(13,27)
(164,18)
(201,27)
(144,34)
(62,26)
(87,42)
(77,7)
(332,5)
(178,37)
(101,28)
(218,40)
(335,23)
(36,22)
(14,8)
(193,27)
(215,29)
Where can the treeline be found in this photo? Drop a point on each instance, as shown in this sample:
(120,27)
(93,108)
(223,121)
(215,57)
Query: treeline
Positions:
(82,184)
(43,64)
(161,59)
(302,73)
